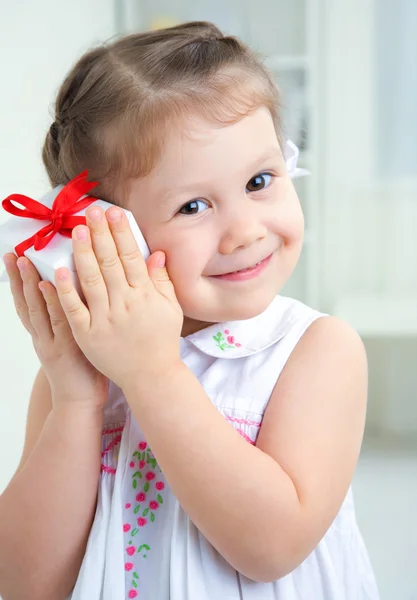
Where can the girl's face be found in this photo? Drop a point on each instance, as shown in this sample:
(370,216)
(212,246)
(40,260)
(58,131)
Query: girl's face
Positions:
(218,201)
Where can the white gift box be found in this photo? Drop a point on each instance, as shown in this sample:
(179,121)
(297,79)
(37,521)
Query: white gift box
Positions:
(58,252)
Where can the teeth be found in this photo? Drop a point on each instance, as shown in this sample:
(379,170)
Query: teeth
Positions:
(249,268)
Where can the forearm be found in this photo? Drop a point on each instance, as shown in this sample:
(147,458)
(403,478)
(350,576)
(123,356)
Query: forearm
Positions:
(47,509)
(238,496)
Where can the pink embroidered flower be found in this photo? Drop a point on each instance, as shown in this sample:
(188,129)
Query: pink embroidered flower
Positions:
(142,463)
(133,594)
(150,476)
(231,339)
(142,522)
(126,527)
(129,566)
(153,504)
(238,345)
(131,464)
(128,505)
(141,497)
(160,485)
(131,550)
(142,445)
(226,331)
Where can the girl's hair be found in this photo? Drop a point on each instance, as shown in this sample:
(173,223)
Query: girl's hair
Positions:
(122,98)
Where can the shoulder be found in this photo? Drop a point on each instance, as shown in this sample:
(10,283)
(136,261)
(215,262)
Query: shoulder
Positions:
(329,336)
(330,358)
(332,349)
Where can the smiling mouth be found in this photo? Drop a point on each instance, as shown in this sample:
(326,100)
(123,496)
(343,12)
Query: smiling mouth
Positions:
(246,273)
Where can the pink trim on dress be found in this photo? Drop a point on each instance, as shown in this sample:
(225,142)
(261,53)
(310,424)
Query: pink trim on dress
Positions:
(243,421)
(113,443)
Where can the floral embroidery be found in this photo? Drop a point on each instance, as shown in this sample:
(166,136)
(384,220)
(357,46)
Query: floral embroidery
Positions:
(144,511)
(226,342)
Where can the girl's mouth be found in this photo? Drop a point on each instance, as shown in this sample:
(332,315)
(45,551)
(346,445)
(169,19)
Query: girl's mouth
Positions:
(245,274)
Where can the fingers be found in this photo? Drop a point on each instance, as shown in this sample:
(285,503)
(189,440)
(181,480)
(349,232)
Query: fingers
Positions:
(77,314)
(107,254)
(88,270)
(131,259)
(58,320)
(27,297)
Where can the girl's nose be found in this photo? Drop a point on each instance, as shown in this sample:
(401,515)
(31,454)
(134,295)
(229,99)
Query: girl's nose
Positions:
(241,233)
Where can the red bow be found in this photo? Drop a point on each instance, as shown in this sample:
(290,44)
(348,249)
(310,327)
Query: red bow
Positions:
(65,205)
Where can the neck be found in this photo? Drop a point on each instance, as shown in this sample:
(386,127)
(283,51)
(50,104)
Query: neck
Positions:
(192,326)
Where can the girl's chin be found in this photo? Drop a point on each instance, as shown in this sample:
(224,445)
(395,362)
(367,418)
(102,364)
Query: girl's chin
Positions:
(239,311)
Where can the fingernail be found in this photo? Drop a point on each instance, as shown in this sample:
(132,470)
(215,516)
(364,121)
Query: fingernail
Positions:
(81,233)
(161,260)
(94,214)
(115,214)
(21,263)
(62,275)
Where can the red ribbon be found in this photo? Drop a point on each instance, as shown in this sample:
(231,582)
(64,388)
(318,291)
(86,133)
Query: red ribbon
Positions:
(60,216)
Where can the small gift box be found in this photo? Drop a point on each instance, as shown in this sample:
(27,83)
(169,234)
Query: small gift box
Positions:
(42,230)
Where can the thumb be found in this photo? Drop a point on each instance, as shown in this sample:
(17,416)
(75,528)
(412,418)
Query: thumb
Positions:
(159,275)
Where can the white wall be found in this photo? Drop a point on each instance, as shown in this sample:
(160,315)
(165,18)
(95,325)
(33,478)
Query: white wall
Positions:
(39,41)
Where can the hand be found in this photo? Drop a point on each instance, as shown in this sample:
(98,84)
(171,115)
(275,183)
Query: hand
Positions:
(131,326)
(71,376)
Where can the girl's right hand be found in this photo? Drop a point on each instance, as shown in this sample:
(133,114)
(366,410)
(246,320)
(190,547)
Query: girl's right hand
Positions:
(71,376)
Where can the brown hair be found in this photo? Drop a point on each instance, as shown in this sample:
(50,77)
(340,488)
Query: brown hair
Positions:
(120,99)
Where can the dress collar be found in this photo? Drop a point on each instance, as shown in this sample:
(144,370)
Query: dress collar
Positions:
(235,339)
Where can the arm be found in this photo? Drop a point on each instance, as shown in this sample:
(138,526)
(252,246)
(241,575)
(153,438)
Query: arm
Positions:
(300,470)
(47,509)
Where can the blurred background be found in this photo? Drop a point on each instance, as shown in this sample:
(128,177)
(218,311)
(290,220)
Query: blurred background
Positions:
(348,74)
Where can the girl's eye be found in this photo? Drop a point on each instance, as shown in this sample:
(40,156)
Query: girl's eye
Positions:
(259,182)
(192,208)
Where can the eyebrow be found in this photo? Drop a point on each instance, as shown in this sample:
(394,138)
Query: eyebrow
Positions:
(273,152)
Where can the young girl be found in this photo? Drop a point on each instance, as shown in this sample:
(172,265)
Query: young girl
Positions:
(234,416)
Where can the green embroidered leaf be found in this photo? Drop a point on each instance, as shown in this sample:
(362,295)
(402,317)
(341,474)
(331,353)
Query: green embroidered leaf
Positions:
(145,512)
(137,509)
(146,486)
(134,583)
(134,532)
(222,346)
(135,484)
(136,474)
(143,455)
(152,517)
(140,475)
(135,575)
(137,454)
(149,460)
(154,463)
(159,498)
(143,546)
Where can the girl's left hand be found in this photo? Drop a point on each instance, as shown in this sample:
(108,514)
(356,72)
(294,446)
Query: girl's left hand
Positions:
(131,326)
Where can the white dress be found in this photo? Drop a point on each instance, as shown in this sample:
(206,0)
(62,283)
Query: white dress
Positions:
(143,545)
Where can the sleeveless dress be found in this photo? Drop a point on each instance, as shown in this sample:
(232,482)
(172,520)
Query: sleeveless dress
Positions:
(143,545)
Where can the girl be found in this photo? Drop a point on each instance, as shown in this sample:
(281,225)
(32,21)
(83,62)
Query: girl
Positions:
(234,416)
